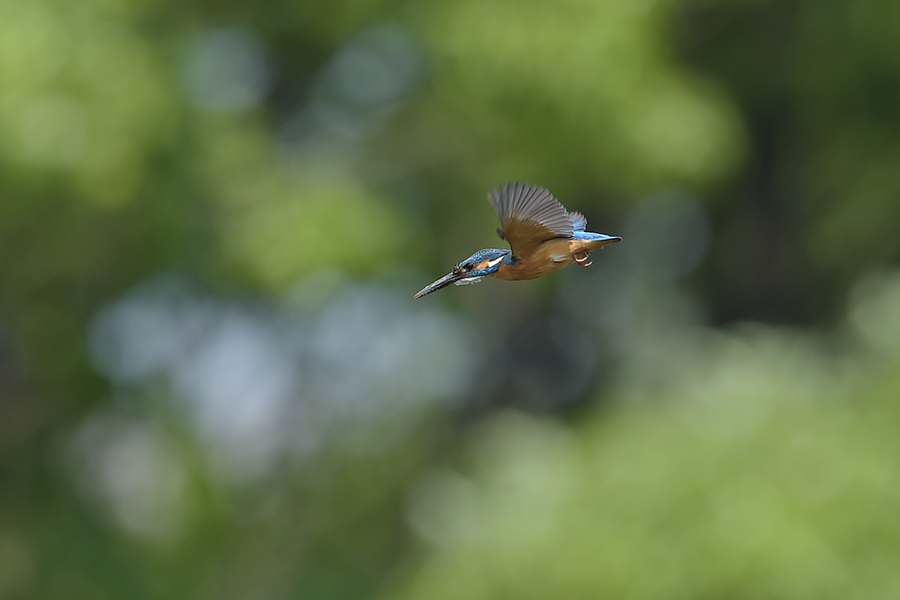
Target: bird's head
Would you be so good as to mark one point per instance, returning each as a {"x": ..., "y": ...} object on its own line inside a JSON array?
[{"x": 472, "y": 270}]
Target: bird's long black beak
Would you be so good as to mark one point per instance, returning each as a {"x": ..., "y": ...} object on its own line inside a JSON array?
[{"x": 443, "y": 282}]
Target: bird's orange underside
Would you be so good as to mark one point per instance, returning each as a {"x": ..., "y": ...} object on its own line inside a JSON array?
[{"x": 549, "y": 256}]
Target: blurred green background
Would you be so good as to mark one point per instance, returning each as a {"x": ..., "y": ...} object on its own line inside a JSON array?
[{"x": 215, "y": 384}]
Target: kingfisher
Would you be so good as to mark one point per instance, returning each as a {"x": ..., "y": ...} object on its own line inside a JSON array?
[{"x": 543, "y": 236}]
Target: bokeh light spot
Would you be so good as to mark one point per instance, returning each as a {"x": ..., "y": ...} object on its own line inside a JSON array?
[{"x": 226, "y": 70}]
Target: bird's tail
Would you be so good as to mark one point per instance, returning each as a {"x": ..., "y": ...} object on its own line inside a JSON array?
[{"x": 595, "y": 241}]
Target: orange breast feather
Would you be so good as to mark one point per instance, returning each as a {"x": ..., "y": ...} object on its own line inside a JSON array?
[{"x": 549, "y": 256}]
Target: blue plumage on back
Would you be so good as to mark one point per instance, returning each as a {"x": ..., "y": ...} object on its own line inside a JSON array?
[{"x": 590, "y": 236}]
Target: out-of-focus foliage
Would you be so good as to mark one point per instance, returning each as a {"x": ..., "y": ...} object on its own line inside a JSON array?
[
  {"x": 601, "y": 73},
  {"x": 214, "y": 382},
  {"x": 763, "y": 467},
  {"x": 819, "y": 83}
]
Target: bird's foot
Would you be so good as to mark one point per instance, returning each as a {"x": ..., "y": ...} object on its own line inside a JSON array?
[{"x": 582, "y": 259}]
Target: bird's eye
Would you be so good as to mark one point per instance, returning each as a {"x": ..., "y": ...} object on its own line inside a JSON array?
[{"x": 468, "y": 267}]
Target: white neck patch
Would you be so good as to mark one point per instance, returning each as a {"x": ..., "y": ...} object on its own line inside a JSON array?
[{"x": 468, "y": 281}]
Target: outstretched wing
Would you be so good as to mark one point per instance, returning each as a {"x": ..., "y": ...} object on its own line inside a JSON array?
[{"x": 529, "y": 215}]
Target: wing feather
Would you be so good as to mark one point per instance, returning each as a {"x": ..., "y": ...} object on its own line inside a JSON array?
[
  {"x": 530, "y": 215},
  {"x": 579, "y": 222}
]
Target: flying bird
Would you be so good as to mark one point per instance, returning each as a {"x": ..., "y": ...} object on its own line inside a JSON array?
[{"x": 543, "y": 236}]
